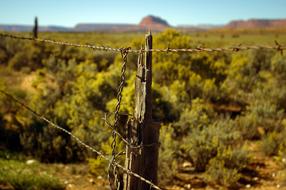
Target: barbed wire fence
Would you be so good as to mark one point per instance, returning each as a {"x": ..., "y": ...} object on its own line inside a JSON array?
[
  {"x": 113, "y": 164},
  {"x": 277, "y": 46}
]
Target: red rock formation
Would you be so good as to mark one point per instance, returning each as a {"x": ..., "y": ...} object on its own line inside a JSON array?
[
  {"x": 153, "y": 23},
  {"x": 257, "y": 24}
]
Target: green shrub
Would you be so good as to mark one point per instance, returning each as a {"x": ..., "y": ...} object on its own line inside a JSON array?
[
  {"x": 219, "y": 174},
  {"x": 97, "y": 166},
  {"x": 199, "y": 115},
  {"x": 247, "y": 124},
  {"x": 167, "y": 155},
  {"x": 261, "y": 117},
  {"x": 282, "y": 146},
  {"x": 270, "y": 144},
  {"x": 27, "y": 177},
  {"x": 202, "y": 144},
  {"x": 225, "y": 168},
  {"x": 199, "y": 148},
  {"x": 281, "y": 175}
]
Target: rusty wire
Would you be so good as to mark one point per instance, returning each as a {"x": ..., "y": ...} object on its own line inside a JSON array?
[
  {"x": 278, "y": 47},
  {"x": 115, "y": 182},
  {"x": 61, "y": 43},
  {"x": 78, "y": 140}
]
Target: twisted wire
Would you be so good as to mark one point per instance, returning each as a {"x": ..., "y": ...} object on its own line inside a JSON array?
[
  {"x": 278, "y": 47},
  {"x": 115, "y": 181}
]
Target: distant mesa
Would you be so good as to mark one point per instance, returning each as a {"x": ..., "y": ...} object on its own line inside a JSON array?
[
  {"x": 257, "y": 24},
  {"x": 28, "y": 28},
  {"x": 90, "y": 27},
  {"x": 149, "y": 22},
  {"x": 154, "y": 23}
]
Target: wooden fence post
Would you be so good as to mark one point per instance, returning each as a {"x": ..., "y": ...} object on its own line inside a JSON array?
[
  {"x": 35, "y": 29},
  {"x": 142, "y": 132}
]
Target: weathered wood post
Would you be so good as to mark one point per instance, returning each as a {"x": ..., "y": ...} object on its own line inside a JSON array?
[
  {"x": 143, "y": 134},
  {"x": 35, "y": 29}
]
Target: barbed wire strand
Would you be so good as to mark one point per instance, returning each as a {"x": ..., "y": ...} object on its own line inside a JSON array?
[
  {"x": 78, "y": 140},
  {"x": 240, "y": 47},
  {"x": 61, "y": 43}
]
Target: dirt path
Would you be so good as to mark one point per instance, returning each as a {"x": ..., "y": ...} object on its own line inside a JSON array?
[
  {"x": 76, "y": 177},
  {"x": 269, "y": 171},
  {"x": 268, "y": 175},
  {"x": 264, "y": 173}
]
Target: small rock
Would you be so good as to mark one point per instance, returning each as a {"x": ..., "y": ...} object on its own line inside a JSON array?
[
  {"x": 29, "y": 162},
  {"x": 261, "y": 131},
  {"x": 99, "y": 177},
  {"x": 70, "y": 185},
  {"x": 91, "y": 181},
  {"x": 248, "y": 186},
  {"x": 186, "y": 164},
  {"x": 255, "y": 179},
  {"x": 188, "y": 186}
]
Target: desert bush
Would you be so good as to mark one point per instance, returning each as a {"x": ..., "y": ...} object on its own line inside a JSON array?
[
  {"x": 10, "y": 119},
  {"x": 270, "y": 144},
  {"x": 225, "y": 169},
  {"x": 278, "y": 64},
  {"x": 274, "y": 143},
  {"x": 27, "y": 177},
  {"x": 282, "y": 146},
  {"x": 202, "y": 144},
  {"x": 281, "y": 175},
  {"x": 198, "y": 115},
  {"x": 167, "y": 155},
  {"x": 219, "y": 174},
  {"x": 247, "y": 124},
  {"x": 48, "y": 144},
  {"x": 261, "y": 116},
  {"x": 97, "y": 166}
]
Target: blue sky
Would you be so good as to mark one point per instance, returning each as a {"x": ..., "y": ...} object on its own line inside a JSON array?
[{"x": 176, "y": 12}]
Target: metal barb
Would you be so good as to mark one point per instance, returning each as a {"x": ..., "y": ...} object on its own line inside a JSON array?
[
  {"x": 237, "y": 48},
  {"x": 168, "y": 48},
  {"x": 279, "y": 47}
]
